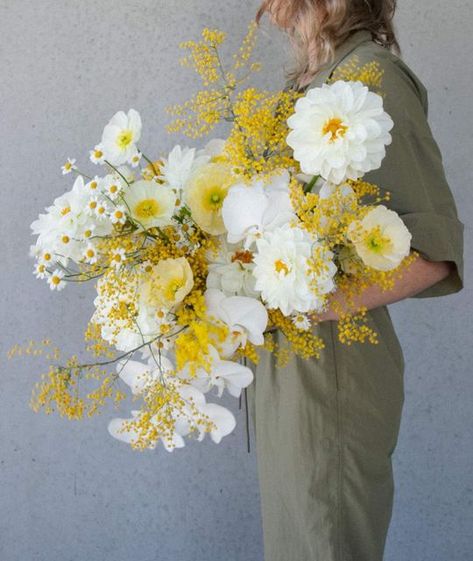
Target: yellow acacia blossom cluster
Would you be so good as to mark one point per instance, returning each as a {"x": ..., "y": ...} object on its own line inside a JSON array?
[
  {"x": 257, "y": 141},
  {"x": 370, "y": 73},
  {"x": 199, "y": 115}
]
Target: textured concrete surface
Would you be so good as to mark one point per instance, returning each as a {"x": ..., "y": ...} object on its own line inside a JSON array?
[{"x": 68, "y": 492}]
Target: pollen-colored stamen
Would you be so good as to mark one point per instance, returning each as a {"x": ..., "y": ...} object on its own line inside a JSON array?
[
  {"x": 280, "y": 266},
  {"x": 335, "y": 128}
]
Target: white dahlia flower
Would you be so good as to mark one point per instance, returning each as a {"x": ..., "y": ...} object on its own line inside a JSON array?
[
  {"x": 339, "y": 131},
  {"x": 283, "y": 274},
  {"x": 381, "y": 238}
]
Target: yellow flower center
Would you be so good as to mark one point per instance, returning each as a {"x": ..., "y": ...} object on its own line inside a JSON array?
[
  {"x": 118, "y": 214},
  {"x": 41, "y": 268},
  {"x": 214, "y": 197},
  {"x": 47, "y": 257},
  {"x": 281, "y": 267},
  {"x": 93, "y": 185},
  {"x": 124, "y": 139},
  {"x": 113, "y": 189},
  {"x": 376, "y": 242},
  {"x": 98, "y": 154},
  {"x": 55, "y": 280},
  {"x": 90, "y": 253},
  {"x": 87, "y": 233},
  {"x": 172, "y": 287},
  {"x": 65, "y": 239},
  {"x": 335, "y": 128},
  {"x": 65, "y": 210},
  {"x": 243, "y": 256},
  {"x": 147, "y": 208},
  {"x": 92, "y": 205}
]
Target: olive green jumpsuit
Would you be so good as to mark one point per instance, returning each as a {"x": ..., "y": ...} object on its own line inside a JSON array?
[{"x": 326, "y": 428}]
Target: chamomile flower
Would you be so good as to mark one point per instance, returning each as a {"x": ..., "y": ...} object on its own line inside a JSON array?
[
  {"x": 135, "y": 159},
  {"x": 120, "y": 137},
  {"x": 112, "y": 186},
  {"x": 92, "y": 205},
  {"x": 69, "y": 166},
  {"x": 96, "y": 155},
  {"x": 56, "y": 281},
  {"x": 101, "y": 210},
  {"x": 118, "y": 215},
  {"x": 90, "y": 254},
  {"x": 118, "y": 258},
  {"x": 301, "y": 321},
  {"x": 93, "y": 185},
  {"x": 40, "y": 271}
]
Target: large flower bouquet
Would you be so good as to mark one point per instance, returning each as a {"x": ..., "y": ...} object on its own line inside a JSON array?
[{"x": 199, "y": 255}]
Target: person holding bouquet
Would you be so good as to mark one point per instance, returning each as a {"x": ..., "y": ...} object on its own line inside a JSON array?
[{"x": 326, "y": 428}]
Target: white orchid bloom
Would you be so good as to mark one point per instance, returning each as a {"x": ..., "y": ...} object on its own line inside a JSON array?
[
  {"x": 245, "y": 317},
  {"x": 139, "y": 375},
  {"x": 249, "y": 211},
  {"x": 224, "y": 374}
]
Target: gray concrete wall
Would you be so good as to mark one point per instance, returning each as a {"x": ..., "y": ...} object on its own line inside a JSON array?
[{"x": 68, "y": 492}]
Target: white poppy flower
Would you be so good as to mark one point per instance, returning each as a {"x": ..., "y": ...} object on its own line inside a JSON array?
[
  {"x": 250, "y": 210},
  {"x": 120, "y": 137},
  {"x": 339, "y": 131},
  {"x": 150, "y": 204},
  {"x": 381, "y": 238}
]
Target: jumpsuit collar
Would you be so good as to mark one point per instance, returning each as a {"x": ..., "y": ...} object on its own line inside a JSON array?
[{"x": 341, "y": 52}]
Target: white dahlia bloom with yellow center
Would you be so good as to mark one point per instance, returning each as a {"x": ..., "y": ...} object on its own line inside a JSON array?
[
  {"x": 283, "y": 273},
  {"x": 149, "y": 203},
  {"x": 120, "y": 136},
  {"x": 204, "y": 194},
  {"x": 381, "y": 239},
  {"x": 339, "y": 131}
]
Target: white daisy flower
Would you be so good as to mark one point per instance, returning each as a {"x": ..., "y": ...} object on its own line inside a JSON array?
[
  {"x": 96, "y": 155},
  {"x": 339, "y": 131},
  {"x": 118, "y": 258},
  {"x": 301, "y": 321},
  {"x": 69, "y": 166},
  {"x": 135, "y": 159},
  {"x": 120, "y": 137},
  {"x": 101, "y": 210},
  {"x": 56, "y": 281},
  {"x": 90, "y": 254},
  {"x": 118, "y": 215},
  {"x": 40, "y": 271},
  {"x": 112, "y": 186},
  {"x": 94, "y": 184}
]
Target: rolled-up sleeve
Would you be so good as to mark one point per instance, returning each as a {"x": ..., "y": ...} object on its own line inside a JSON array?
[{"x": 413, "y": 173}]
